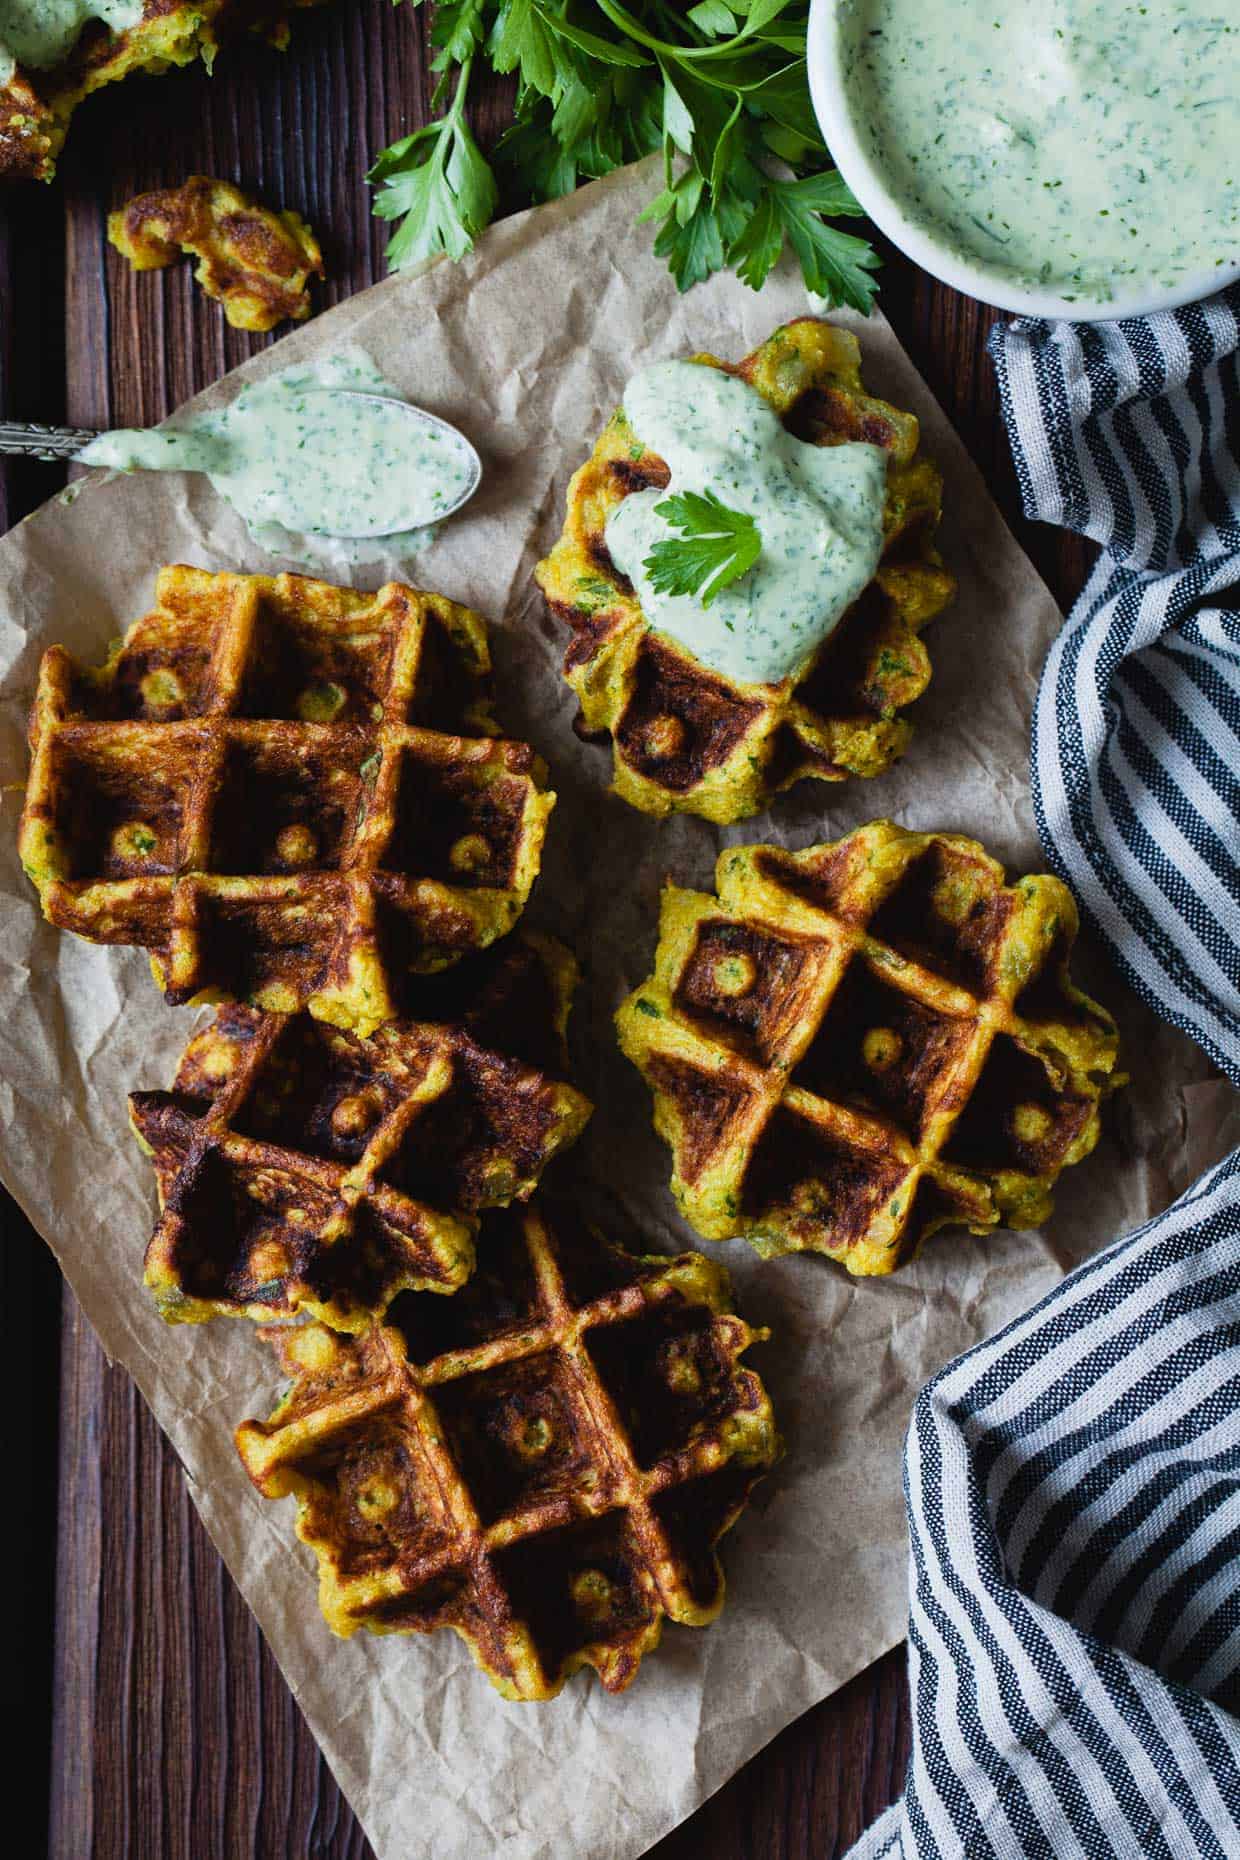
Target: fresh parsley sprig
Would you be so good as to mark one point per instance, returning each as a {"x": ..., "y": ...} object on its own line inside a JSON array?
[
  {"x": 436, "y": 182},
  {"x": 720, "y": 89},
  {"x": 716, "y": 546}
]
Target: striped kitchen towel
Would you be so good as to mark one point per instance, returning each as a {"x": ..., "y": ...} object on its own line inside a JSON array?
[{"x": 1073, "y": 1484}]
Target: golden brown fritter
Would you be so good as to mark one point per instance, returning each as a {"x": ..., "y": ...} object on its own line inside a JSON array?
[
  {"x": 543, "y": 1462},
  {"x": 290, "y": 793},
  {"x": 258, "y": 263},
  {"x": 304, "y": 1169},
  {"x": 853, "y": 1046},
  {"x": 684, "y": 738}
]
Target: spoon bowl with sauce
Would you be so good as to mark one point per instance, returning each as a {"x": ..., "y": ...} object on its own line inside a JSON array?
[
  {"x": 1068, "y": 160},
  {"x": 330, "y": 451}
]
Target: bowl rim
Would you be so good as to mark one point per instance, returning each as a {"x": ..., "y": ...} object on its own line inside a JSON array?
[{"x": 974, "y": 280}]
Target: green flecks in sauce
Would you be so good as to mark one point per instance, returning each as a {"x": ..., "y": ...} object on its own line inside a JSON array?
[
  {"x": 39, "y": 33},
  {"x": 296, "y": 457},
  {"x": 1074, "y": 146},
  {"x": 819, "y": 511}
]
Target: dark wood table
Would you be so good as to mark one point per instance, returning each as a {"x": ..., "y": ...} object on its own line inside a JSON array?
[{"x": 153, "y": 1721}]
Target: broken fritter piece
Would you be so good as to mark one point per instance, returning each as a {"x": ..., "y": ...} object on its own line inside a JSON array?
[{"x": 257, "y": 262}]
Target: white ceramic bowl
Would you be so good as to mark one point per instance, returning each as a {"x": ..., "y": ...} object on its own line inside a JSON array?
[{"x": 826, "y": 83}]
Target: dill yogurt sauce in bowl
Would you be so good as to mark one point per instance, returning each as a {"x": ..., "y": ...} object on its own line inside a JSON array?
[{"x": 1056, "y": 157}]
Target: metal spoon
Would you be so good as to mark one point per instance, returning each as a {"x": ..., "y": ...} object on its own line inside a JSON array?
[
  {"x": 21, "y": 439},
  {"x": 24, "y": 439}
]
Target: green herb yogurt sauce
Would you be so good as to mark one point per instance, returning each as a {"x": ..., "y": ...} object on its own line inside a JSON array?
[
  {"x": 1073, "y": 146},
  {"x": 39, "y": 33},
  {"x": 819, "y": 510},
  {"x": 297, "y": 458}
]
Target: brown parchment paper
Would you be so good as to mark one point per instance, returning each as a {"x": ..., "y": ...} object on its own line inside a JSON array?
[{"x": 527, "y": 346}]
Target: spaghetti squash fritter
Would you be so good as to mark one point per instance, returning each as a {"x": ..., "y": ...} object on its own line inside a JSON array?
[
  {"x": 853, "y": 1046},
  {"x": 289, "y": 793},
  {"x": 304, "y": 1170},
  {"x": 688, "y": 739},
  {"x": 544, "y": 1462}
]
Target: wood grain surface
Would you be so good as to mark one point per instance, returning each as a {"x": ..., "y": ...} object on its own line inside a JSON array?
[{"x": 154, "y": 1723}]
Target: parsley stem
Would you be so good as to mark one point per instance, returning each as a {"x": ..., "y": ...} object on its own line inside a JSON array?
[
  {"x": 633, "y": 29},
  {"x": 457, "y": 108}
]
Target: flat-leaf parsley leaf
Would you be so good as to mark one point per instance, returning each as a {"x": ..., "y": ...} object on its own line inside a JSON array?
[{"x": 716, "y": 547}]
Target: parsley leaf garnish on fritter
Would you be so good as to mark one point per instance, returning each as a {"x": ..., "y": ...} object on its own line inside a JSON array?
[{"x": 715, "y": 548}]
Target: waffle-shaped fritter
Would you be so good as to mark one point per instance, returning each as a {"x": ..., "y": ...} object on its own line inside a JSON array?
[
  {"x": 290, "y": 793},
  {"x": 544, "y": 1462},
  {"x": 303, "y": 1168},
  {"x": 685, "y": 739},
  {"x": 853, "y": 1046},
  {"x": 255, "y": 261},
  {"x": 36, "y": 106}
]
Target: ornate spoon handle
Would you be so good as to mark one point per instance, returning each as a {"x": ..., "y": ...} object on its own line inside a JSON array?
[{"x": 42, "y": 442}]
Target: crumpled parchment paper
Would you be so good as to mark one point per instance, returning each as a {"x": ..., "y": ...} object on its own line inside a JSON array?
[{"x": 527, "y": 346}]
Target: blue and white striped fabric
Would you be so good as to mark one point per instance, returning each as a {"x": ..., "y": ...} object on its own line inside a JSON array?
[
  {"x": 1073, "y": 1485},
  {"x": 1130, "y": 433}
]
